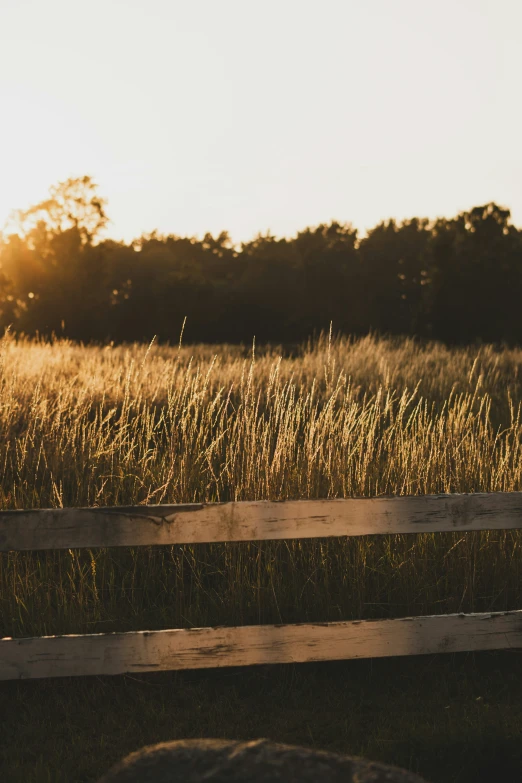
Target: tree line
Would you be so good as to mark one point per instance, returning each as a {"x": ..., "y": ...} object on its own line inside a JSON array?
[{"x": 454, "y": 279}]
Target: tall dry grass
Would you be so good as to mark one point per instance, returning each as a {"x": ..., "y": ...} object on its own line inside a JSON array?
[{"x": 336, "y": 418}]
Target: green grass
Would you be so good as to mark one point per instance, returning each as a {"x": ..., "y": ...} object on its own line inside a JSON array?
[{"x": 339, "y": 418}]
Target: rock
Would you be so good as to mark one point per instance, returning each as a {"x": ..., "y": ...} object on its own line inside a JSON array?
[{"x": 259, "y": 761}]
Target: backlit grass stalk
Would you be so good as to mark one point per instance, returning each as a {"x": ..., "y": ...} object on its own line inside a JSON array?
[{"x": 83, "y": 426}]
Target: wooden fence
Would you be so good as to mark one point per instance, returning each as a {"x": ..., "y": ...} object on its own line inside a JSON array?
[{"x": 118, "y": 653}]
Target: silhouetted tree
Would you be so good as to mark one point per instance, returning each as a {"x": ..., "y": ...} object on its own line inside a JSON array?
[
  {"x": 393, "y": 258},
  {"x": 57, "y": 270},
  {"x": 457, "y": 280},
  {"x": 475, "y": 277}
]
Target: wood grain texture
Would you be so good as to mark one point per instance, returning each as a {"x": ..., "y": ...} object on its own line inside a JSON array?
[
  {"x": 69, "y": 528},
  {"x": 197, "y": 648}
]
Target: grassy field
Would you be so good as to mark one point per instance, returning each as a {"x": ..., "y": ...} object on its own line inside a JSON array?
[{"x": 336, "y": 418}]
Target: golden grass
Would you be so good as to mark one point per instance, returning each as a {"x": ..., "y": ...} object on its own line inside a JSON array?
[{"x": 136, "y": 424}]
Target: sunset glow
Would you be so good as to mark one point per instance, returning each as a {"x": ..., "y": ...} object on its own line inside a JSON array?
[{"x": 205, "y": 116}]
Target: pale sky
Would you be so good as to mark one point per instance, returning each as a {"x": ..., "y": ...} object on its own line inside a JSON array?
[{"x": 248, "y": 116}]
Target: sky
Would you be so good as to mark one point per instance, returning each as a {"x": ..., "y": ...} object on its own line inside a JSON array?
[{"x": 249, "y": 116}]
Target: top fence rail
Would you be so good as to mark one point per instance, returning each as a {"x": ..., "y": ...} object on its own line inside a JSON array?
[{"x": 68, "y": 528}]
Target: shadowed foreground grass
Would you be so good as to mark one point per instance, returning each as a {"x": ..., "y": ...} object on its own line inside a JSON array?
[
  {"x": 127, "y": 425},
  {"x": 452, "y": 719}
]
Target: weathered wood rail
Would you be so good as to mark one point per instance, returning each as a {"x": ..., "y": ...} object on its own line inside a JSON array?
[
  {"x": 117, "y": 653},
  {"x": 198, "y": 648},
  {"x": 200, "y": 523}
]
